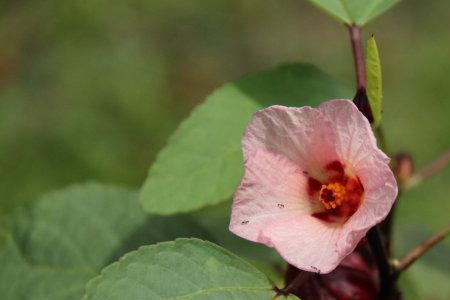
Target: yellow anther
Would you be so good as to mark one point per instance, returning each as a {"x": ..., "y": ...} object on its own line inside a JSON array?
[{"x": 332, "y": 195}]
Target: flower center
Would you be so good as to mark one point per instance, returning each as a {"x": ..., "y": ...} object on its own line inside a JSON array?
[{"x": 332, "y": 195}]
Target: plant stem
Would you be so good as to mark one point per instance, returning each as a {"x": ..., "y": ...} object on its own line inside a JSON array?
[
  {"x": 295, "y": 284},
  {"x": 377, "y": 245},
  {"x": 357, "y": 56},
  {"x": 428, "y": 170},
  {"x": 360, "y": 100},
  {"x": 387, "y": 285},
  {"x": 420, "y": 250}
]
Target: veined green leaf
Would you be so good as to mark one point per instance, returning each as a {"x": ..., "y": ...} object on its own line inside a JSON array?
[
  {"x": 183, "y": 269},
  {"x": 202, "y": 162},
  {"x": 358, "y": 12}
]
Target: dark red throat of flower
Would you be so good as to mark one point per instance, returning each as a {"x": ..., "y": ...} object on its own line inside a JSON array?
[{"x": 340, "y": 195}]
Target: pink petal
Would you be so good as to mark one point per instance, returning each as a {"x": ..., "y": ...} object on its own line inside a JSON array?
[
  {"x": 307, "y": 243},
  {"x": 356, "y": 147},
  {"x": 355, "y": 141},
  {"x": 281, "y": 143},
  {"x": 377, "y": 202},
  {"x": 302, "y": 135},
  {"x": 273, "y": 189}
]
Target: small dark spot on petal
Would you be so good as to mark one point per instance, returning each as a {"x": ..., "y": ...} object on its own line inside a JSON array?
[
  {"x": 280, "y": 205},
  {"x": 305, "y": 172},
  {"x": 244, "y": 222}
]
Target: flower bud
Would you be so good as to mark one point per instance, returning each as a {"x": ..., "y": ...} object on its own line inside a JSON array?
[{"x": 403, "y": 167}]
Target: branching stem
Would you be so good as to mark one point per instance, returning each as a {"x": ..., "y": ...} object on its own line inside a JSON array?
[
  {"x": 420, "y": 250},
  {"x": 428, "y": 170}
]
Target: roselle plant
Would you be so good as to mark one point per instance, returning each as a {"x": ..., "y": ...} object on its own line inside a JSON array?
[{"x": 279, "y": 186}]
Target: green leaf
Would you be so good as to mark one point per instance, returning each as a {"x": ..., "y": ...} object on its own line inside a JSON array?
[
  {"x": 216, "y": 219},
  {"x": 51, "y": 250},
  {"x": 202, "y": 163},
  {"x": 21, "y": 279},
  {"x": 183, "y": 269},
  {"x": 374, "y": 81},
  {"x": 358, "y": 12}
]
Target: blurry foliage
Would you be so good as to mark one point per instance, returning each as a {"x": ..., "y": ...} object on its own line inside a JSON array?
[
  {"x": 63, "y": 239},
  {"x": 92, "y": 89}
]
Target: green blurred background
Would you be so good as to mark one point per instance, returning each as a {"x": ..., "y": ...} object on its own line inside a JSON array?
[{"x": 90, "y": 90}]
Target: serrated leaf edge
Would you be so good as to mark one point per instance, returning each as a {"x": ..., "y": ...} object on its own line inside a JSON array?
[{"x": 126, "y": 256}]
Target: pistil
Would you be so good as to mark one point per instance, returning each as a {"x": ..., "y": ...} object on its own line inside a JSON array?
[{"x": 332, "y": 195}]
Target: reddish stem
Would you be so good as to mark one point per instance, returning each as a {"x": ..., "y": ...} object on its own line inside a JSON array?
[
  {"x": 420, "y": 250},
  {"x": 295, "y": 284},
  {"x": 387, "y": 284},
  {"x": 358, "y": 56},
  {"x": 435, "y": 166},
  {"x": 428, "y": 170},
  {"x": 361, "y": 100}
]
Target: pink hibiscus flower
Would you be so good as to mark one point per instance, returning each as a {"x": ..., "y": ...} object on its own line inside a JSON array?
[{"x": 314, "y": 183}]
